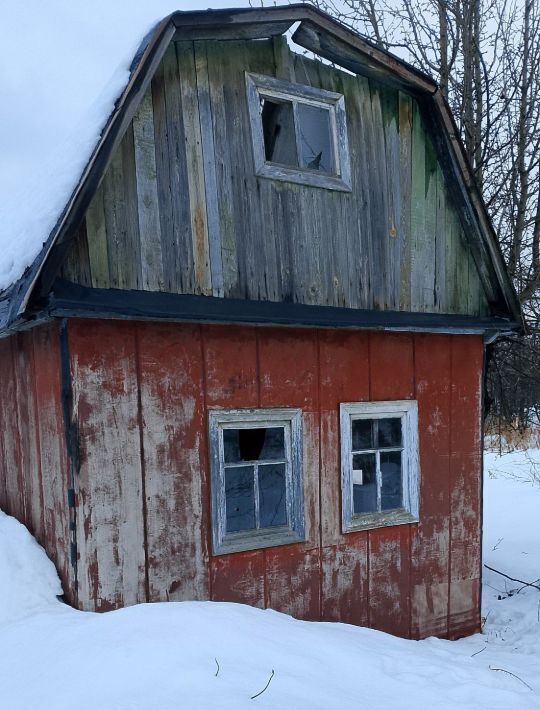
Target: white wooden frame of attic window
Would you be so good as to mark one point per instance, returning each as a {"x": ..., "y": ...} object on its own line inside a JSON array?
[
  {"x": 408, "y": 511},
  {"x": 292, "y": 528},
  {"x": 264, "y": 87}
]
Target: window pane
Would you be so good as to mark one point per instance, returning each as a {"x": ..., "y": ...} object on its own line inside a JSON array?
[
  {"x": 362, "y": 434},
  {"x": 315, "y": 142},
  {"x": 239, "y": 498},
  {"x": 278, "y": 131},
  {"x": 392, "y": 488},
  {"x": 272, "y": 495},
  {"x": 253, "y": 444},
  {"x": 364, "y": 483},
  {"x": 274, "y": 444},
  {"x": 389, "y": 432}
]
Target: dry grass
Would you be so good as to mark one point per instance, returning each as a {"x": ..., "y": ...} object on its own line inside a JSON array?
[{"x": 505, "y": 437}]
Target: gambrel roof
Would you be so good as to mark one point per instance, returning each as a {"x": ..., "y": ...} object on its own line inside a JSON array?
[{"x": 319, "y": 33}]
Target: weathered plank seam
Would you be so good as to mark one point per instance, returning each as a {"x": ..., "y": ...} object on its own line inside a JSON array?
[
  {"x": 39, "y": 471},
  {"x": 143, "y": 464},
  {"x": 207, "y": 497},
  {"x": 72, "y": 448},
  {"x": 319, "y": 419},
  {"x": 19, "y": 473}
]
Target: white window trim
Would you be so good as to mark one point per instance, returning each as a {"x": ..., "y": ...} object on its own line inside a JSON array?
[
  {"x": 408, "y": 411},
  {"x": 291, "y": 420},
  {"x": 257, "y": 86}
]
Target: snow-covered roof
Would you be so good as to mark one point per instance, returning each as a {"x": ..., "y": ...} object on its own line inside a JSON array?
[
  {"x": 67, "y": 111},
  {"x": 60, "y": 79}
]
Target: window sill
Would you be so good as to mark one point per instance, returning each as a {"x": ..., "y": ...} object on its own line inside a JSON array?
[
  {"x": 273, "y": 171},
  {"x": 257, "y": 540},
  {"x": 370, "y": 521}
]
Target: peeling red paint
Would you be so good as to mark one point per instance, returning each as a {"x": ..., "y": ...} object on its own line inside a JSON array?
[{"x": 142, "y": 392}]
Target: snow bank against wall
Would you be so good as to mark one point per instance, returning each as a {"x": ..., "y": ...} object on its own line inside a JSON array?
[
  {"x": 29, "y": 583},
  {"x": 210, "y": 656}
]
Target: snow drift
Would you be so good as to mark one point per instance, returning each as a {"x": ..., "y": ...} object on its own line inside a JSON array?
[{"x": 198, "y": 655}]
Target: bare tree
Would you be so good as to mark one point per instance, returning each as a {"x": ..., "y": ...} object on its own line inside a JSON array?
[{"x": 485, "y": 55}]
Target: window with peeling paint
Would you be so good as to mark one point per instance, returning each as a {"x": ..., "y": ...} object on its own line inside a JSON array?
[
  {"x": 299, "y": 133},
  {"x": 380, "y": 469},
  {"x": 256, "y": 475}
]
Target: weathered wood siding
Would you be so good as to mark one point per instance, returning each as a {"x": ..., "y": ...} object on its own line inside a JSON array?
[
  {"x": 180, "y": 208},
  {"x": 142, "y": 393},
  {"x": 34, "y": 469}
]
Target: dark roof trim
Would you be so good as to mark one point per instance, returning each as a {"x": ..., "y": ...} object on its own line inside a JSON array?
[
  {"x": 71, "y": 300},
  {"x": 317, "y": 31}
]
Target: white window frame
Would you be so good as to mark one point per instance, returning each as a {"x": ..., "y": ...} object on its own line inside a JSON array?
[
  {"x": 291, "y": 421},
  {"x": 259, "y": 86},
  {"x": 407, "y": 410}
]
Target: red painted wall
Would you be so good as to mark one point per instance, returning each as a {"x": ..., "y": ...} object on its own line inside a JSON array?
[
  {"x": 33, "y": 460},
  {"x": 141, "y": 397}
]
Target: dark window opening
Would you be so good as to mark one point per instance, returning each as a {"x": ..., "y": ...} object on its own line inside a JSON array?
[
  {"x": 255, "y": 494},
  {"x": 297, "y": 134}
]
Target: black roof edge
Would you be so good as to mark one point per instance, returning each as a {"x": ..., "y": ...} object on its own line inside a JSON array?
[
  {"x": 69, "y": 300},
  {"x": 147, "y": 58}
]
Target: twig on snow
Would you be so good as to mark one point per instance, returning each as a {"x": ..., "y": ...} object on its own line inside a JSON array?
[
  {"x": 265, "y": 687},
  {"x": 513, "y": 579},
  {"x": 217, "y": 664},
  {"x": 477, "y": 652},
  {"x": 503, "y": 670}
]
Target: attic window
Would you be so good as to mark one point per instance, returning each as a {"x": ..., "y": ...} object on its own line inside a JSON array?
[
  {"x": 256, "y": 472},
  {"x": 299, "y": 133}
]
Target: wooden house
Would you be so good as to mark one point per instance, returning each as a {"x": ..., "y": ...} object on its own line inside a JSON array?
[{"x": 247, "y": 364}]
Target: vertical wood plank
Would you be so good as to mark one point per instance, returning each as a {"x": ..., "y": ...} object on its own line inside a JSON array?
[
  {"x": 114, "y": 209},
  {"x": 174, "y": 442},
  {"x": 195, "y": 167},
  {"x": 172, "y": 178},
  {"x": 430, "y": 538},
  {"x": 27, "y": 417},
  {"x": 222, "y": 140},
  {"x": 405, "y": 176},
  {"x": 110, "y": 533},
  {"x": 465, "y": 485},
  {"x": 11, "y": 444},
  {"x": 147, "y": 196},
  {"x": 210, "y": 173},
  {"x": 97, "y": 241},
  {"x": 393, "y": 238},
  {"x": 440, "y": 243},
  {"x": 419, "y": 234},
  {"x": 54, "y": 465},
  {"x": 130, "y": 251}
]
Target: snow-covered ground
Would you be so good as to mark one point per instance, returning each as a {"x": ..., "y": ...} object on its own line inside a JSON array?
[{"x": 190, "y": 656}]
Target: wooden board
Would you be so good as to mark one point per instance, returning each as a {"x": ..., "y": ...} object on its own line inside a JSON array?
[
  {"x": 173, "y": 451},
  {"x": 110, "y": 521}
]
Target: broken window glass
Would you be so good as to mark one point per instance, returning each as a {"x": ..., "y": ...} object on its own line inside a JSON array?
[{"x": 297, "y": 134}]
